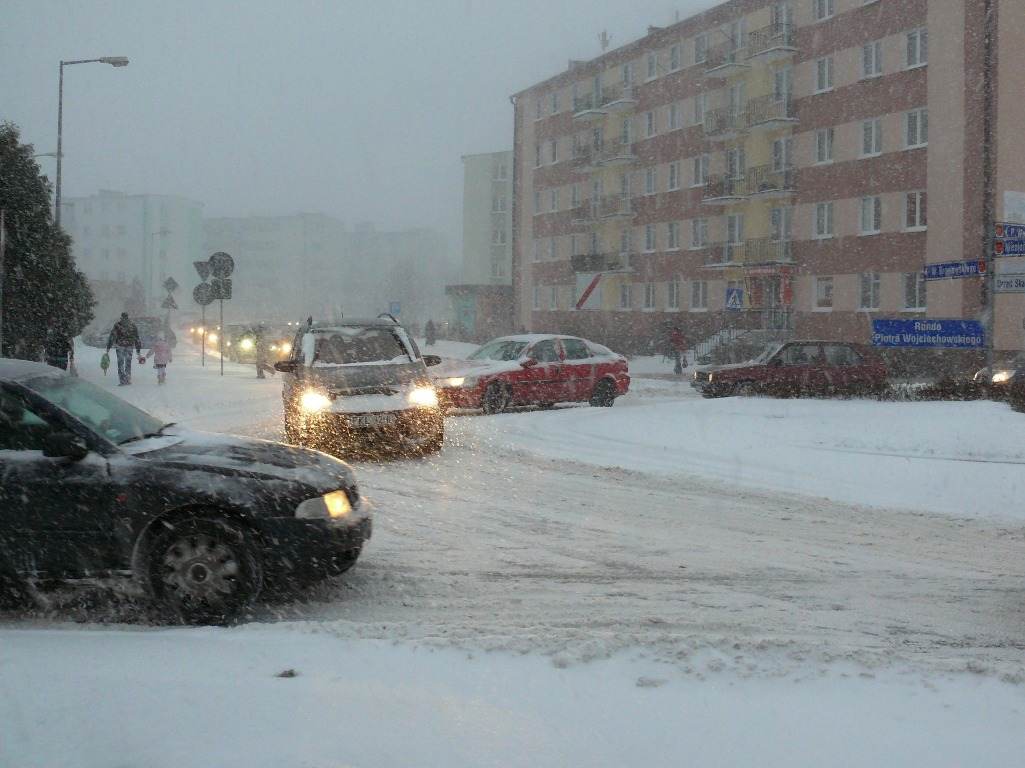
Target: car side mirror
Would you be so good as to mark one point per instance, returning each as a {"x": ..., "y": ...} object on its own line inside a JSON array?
[
  {"x": 430, "y": 360},
  {"x": 64, "y": 445},
  {"x": 528, "y": 363},
  {"x": 285, "y": 366}
]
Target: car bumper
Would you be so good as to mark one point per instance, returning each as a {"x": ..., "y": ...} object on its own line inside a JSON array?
[
  {"x": 404, "y": 429},
  {"x": 312, "y": 549}
]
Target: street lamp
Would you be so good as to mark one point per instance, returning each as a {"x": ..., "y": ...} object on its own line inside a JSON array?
[{"x": 114, "y": 61}]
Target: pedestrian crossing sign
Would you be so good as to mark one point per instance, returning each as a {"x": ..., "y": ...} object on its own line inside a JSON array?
[{"x": 735, "y": 299}]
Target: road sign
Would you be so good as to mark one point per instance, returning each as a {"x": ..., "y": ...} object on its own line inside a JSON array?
[
  {"x": 1009, "y": 283},
  {"x": 735, "y": 299},
  {"x": 220, "y": 288},
  {"x": 170, "y": 285},
  {"x": 202, "y": 294},
  {"x": 221, "y": 265},
  {"x": 1004, "y": 231},
  {"x": 394, "y": 308},
  {"x": 948, "y": 334},
  {"x": 169, "y": 303},
  {"x": 202, "y": 269},
  {"x": 949, "y": 269},
  {"x": 1009, "y": 248}
]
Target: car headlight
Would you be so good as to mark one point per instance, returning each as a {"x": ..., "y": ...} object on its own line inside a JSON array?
[
  {"x": 424, "y": 397},
  {"x": 332, "y": 506},
  {"x": 246, "y": 344},
  {"x": 286, "y": 347},
  {"x": 313, "y": 401},
  {"x": 1002, "y": 377},
  {"x": 455, "y": 381},
  {"x": 212, "y": 338}
]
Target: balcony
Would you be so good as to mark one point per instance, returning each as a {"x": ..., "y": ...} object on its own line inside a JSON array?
[
  {"x": 726, "y": 60},
  {"x": 725, "y": 254},
  {"x": 619, "y": 98},
  {"x": 592, "y": 107},
  {"x": 768, "y": 113},
  {"x": 725, "y": 123},
  {"x": 768, "y": 251},
  {"x": 585, "y": 214},
  {"x": 767, "y": 181},
  {"x": 724, "y": 188},
  {"x": 771, "y": 43},
  {"x": 601, "y": 262},
  {"x": 615, "y": 207}
]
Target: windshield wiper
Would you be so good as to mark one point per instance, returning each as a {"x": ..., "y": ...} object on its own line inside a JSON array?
[{"x": 158, "y": 433}]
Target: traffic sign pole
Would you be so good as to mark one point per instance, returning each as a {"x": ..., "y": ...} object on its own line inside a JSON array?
[
  {"x": 202, "y": 337},
  {"x": 220, "y": 337}
]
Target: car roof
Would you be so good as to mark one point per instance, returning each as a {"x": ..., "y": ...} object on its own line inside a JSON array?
[
  {"x": 356, "y": 322},
  {"x": 532, "y": 337},
  {"x": 15, "y": 370}
]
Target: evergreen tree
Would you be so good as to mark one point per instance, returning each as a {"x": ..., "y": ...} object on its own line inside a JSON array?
[{"x": 42, "y": 289}]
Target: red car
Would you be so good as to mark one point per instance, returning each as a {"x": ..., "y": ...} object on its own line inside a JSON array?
[
  {"x": 798, "y": 368},
  {"x": 534, "y": 369}
]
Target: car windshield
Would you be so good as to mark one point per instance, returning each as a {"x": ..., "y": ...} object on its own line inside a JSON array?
[
  {"x": 766, "y": 354},
  {"x": 499, "y": 350},
  {"x": 110, "y": 416},
  {"x": 356, "y": 346}
]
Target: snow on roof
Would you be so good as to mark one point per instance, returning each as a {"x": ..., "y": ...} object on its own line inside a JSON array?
[{"x": 22, "y": 369}]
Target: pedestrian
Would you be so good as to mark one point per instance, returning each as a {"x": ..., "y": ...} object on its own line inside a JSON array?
[
  {"x": 105, "y": 362},
  {"x": 59, "y": 349},
  {"x": 679, "y": 345},
  {"x": 161, "y": 354},
  {"x": 260, "y": 341},
  {"x": 430, "y": 335},
  {"x": 123, "y": 337}
]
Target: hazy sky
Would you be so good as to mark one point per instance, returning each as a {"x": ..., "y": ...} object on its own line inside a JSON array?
[{"x": 360, "y": 110}]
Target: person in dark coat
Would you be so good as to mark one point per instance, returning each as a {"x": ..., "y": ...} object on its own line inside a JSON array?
[
  {"x": 679, "y": 345},
  {"x": 124, "y": 336},
  {"x": 59, "y": 349},
  {"x": 430, "y": 334}
]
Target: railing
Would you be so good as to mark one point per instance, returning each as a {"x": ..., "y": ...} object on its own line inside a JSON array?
[
  {"x": 616, "y": 149},
  {"x": 773, "y": 37},
  {"x": 724, "y": 186},
  {"x": 725, "y": 120},
  {"x": 606, "y": 96},
  {"x": 600, "y": 262},
  {"x": 585, "y": 213},
  {"x": 725, "y": 55},
  {"x": 767, "y": 109},
  {"x": 615, "y": 205},
  {"x": 763, "y": 179},
  {"x": 582, "y": 153},
  {"x": 768, "y": 251},
  {"x": 724, "y": 254}
]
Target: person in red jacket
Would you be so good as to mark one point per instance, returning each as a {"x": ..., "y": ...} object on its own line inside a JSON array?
[{"x": 679, "y": 345}]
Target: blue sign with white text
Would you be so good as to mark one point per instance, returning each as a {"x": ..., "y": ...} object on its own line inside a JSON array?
[
  {"x": 735, "y": 299},
  {"x": 947, "y": 334},
  {"x": 1009, "y": 248},
  {"x": 1009, "y": 231},
  {"x": 954, "y": 269}
]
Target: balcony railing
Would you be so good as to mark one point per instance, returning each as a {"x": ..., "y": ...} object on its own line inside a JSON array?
[
  {"x": 770, "y": 111},
  {"x": 600, "y": 262},
  {"x": 725, "y": 254},
  {"x": 725, "y": 58},
  {"x": 725, "y": 121},
  {"x": 769, "y": 251},
  {"x": 767, "y": 180},
  {"x": 585, "y": 213},
  {"x": 610, "y": 97},
  {"x": 612, "y": 206},
  {"x": 776, "y": 38},
  {"x": 724, "y": 187}
]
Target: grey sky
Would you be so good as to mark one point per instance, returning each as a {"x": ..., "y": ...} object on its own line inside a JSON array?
[{"x": 360, "y": 110}]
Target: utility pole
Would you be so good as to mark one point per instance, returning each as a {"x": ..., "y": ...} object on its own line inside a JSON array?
[
  {"x": 989, "y": 304},
  {"x": 3, "y": 253}
]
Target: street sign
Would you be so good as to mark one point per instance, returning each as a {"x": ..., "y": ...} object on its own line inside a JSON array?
[
  {"x": 394, "y": 308},
  {"x": 1009, "y": 248},
  {"x": 169, "y": 303},
  {"x": 221, "y": 265},
  {"x": 202, "y": 294},
  {"x": 949, "y": 269},
  {"x": 170, "y": 285},
  {"x": 948, "y": 334},
  {"x": 220, "y": 288},
  {"x": 735, "y": 299},
  {"x": 202, "y": 269},
  {"x": 1005, "y": 231},
  {"x": 1009, "y": 283}
]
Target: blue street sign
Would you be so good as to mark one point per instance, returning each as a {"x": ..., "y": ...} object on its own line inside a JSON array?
[
  {"x": 1003, "y": 230},
  {"x": 949, "y": 334},
  {"x": 395, "y": 308},
  {"x": 954, "y": 269},
  {"x": 1009, "y": 248},
  {"x": 735, "y": 299}
]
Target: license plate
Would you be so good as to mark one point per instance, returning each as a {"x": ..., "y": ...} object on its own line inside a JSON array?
[{"x": 372, "y": 420}]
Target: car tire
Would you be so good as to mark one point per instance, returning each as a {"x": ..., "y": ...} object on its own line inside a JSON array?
[
  {"x": 495, "y": 399},
  {"x": 604, "y": 395},
  {"x": 745, "y": 389},
  {"x": 203, "y": 570}
]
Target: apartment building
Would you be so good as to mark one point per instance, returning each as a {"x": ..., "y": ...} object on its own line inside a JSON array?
[
  {"x": 481, "y": 300},
  {"x": 784, "y": 166}
]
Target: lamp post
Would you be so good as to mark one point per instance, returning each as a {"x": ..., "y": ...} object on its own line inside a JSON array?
[{"x": 114, "y": 61}]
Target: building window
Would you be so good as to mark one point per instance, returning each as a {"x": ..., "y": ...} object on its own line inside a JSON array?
[
  {"x": 624, "y": 295},
  {"x": 498, "y": 203},
  {"x": 674, "y": 57},
  {"x": 553, "y": 200},
  {"x": 553, "y": 248},
  {"x": 673, "y": 117},
  {"x": 649, "y": 181},
  {"x": 537, "y": 297},
  {"x": 649, "y": 237},
  {"x": 823, "y": 293},
  {"x": 574, "y": 196},
  {"x": 872, "y": 137},
  {"x": 824, "y": 145},
  {"x": 824, "y": 74},
  {"x": 870, "y": 282},
  {"x": 781, "y": 224},
  {"x": 918, "y": 48},
  {"x": 914, "y": 291},
  {"x": 701, "y": 170},
  {"x": 823, "y": 220},
  {"x": 553, "y": 151},
  {"x": 699, "y": 233},
  {"x": 537, "y": 110},
  {"x": 871, "y": 215},
  {"x": 649, "y": 124},
  {"x": 537, "y": 156},
  {"x": 673, "y": 236},
  {"x": 915, "y": 217},
  {"x": 700, "y": 49},
  {"x": 625, "y": 242},
  {"x": 674, "y": 175},
  {"x": 699, "y": 295},
  {"x": 871, "y": 60},
  {"x": 537, "y": 250},
  {"x": 700, "y": 104},
  {"x": 628, "y": 74},
  {"x": 537, "y": 201},
  {"x": 649, "y": 295},
  {"x": 553, "y": 297},
  {"x": 501, "y": 172},
  {"x": 498, "y": 237},
  {"x": 916, "y": 128},
  {"x": 555, "y": 102},
  {"x": 652, "y": 65},
  {"x": 822, "y": 9},
  {"x": 673, "y": 294}
]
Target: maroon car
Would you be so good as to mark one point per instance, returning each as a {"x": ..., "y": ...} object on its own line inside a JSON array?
[{"x": 798, "y": 368}]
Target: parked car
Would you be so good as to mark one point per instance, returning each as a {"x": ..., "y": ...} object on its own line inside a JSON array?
[
  {"x": 1016, "y": 390},
  {"x": 997, "y": 383},
  {"x": 798, "y": 368},
  {"x": 360, "y": 385},
  {"x": 535, "y": 369},
  {"x": 201, "y": 524}
]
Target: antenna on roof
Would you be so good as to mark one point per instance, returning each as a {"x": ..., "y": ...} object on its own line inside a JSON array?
[{"x": 604, "y": 40}]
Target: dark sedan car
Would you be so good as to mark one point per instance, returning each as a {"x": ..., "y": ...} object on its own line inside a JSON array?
[
  {"x": 93, "y": 488},
  {"x": 798, "y": 368}
]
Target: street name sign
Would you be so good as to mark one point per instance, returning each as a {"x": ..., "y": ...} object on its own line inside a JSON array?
[
  {"x": 1003, "y": 230},
  {"x": 949, "y": 269},
  {"x": 928, "y": 333},
  {"x": 1009, "y": 248},
  {"x": 1009, "y": 283}
]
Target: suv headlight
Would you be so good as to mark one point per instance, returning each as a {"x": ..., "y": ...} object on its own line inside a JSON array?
[
  {"x": 1002, "y": 377},
  {"x": 313, "y": 401},
  {"x": 424, "y": 397},
  {"x": 330, "y": 506}
]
